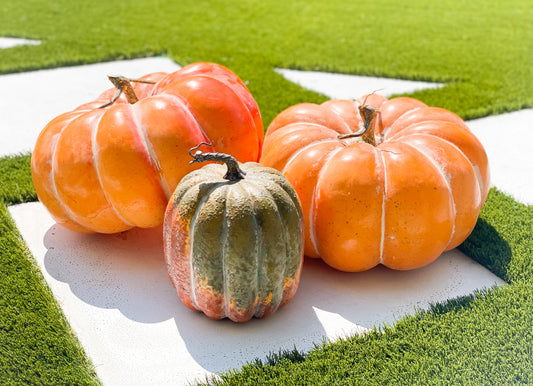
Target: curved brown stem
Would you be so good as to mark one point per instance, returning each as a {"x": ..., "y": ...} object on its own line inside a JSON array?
[
  {"x": 123, "y": 85},
  {"x": 234, "y": 173},
  {"x": 367, "y": 127}
]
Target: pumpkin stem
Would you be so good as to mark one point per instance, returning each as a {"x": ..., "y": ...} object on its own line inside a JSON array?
[
  {"x": 234, "y": 173},
  {"x": 123, "y": 85},
  {"x": 367, "y": 126}
]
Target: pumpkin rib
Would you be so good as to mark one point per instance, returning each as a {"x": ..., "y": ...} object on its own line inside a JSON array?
[
  {"x": 183, "y": 225},
  {"x": 460, "y": 171},
  {"x": 414, "y": 126},
  {"x": 407, "y": 244},
  {"x": 242, "y": 95},
  {"x": 306, "y": 148},
  {"x": 439, "y": 168},
  {"x": 296, "y": 158},
  {"x": 296, "y": 127},
  {"x": 67, "y": 213},
  {"x": 268, "y": 186},
  {"x": 76, "y": 179},
  {"x": 187, "y": 107},
  {"x": 224, "y": 250},
  {"x": 309, "y": 113},
  {"x": 149, "y": 150},
  {"x": 168, "y": 90},
  {"x": 192, "y": 224},
  {"x": 312, "y": 214},
  {"x": 341, "y": 118},
  {"x": 96, "y": 152},
  {"x": 258, "y": 232},
  {"x": 268, "y": 301}
]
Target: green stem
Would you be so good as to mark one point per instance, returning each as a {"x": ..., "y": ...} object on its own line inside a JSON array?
[{"x": 234, "y": 173}]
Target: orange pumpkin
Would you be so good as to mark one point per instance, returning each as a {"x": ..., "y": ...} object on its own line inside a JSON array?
[
  {"x": 380, "y": 181},
  {"x": 108, "y": 167}
]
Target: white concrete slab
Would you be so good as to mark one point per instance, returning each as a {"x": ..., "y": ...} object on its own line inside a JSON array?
[
  {"x": 344, "y": 86},
  {"x": 507, "y": 139},
  {"x": 9, "y": 42},
  {"x": 115, "y": 292},
  {"x": 29, "y": 100}
]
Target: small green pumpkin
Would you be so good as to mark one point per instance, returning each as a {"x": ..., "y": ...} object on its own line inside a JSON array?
[{"x": 234, "y": 239}]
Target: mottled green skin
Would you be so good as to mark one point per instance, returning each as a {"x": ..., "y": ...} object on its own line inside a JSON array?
[{"x": 242, "y": 239}]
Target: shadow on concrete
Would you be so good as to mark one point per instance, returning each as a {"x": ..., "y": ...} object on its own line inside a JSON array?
[
  {"x": 124, "y": 271},
  {"x": 127, "y": 272}
]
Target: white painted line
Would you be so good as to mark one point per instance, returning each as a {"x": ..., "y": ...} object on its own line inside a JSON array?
[
  {"x": 115, "y": 292},
  {"x": 34, "y": 98},
  {"x": 344, "y": 86},
  {"x": 6, "y": 42}
]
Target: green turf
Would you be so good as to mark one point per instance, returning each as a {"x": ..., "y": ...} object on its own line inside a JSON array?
[{"x": 481, "y": 50}]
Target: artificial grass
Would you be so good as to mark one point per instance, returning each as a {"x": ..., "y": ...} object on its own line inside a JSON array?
[
  {"x": 481, "y": 50},
  {"x": 16, "y": 185}
]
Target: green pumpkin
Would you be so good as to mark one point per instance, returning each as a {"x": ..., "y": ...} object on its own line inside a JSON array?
[{"x": 234, "y": 239}]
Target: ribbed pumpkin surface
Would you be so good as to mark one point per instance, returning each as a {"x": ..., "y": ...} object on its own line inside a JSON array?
[
  {"x": 112, "y": 168},
  {"x": 234, "y": 248},
  {"x": 402, "y": 201}
]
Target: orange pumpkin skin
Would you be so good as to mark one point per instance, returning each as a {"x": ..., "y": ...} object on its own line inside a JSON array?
[
  {"x": 113, "y": 168},
  {"x": 401, "y": 203}
]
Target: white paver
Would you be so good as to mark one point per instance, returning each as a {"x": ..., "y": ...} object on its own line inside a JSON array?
[
  {"x": 344, "y": 86},
  {"x": 115, "y": 292},
  {"x": 506, "y": 139}
]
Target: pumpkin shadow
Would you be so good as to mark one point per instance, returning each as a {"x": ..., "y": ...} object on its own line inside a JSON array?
[
  {"x": 124, "y": 271},
  {"x": 127, "y": 272},
  {"x": 487, "y": 247},
  {"x": 329, "y": 305}
]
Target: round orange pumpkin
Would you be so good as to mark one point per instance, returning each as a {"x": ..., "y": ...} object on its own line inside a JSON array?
[
  {"x": 108, "y": 167},
  {"x": 380, "y": 181}
]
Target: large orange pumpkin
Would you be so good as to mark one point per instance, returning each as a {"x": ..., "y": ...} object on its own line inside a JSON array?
[
  {"x": 108, "y": 167},
  {"x": 380, "y": 181}
]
